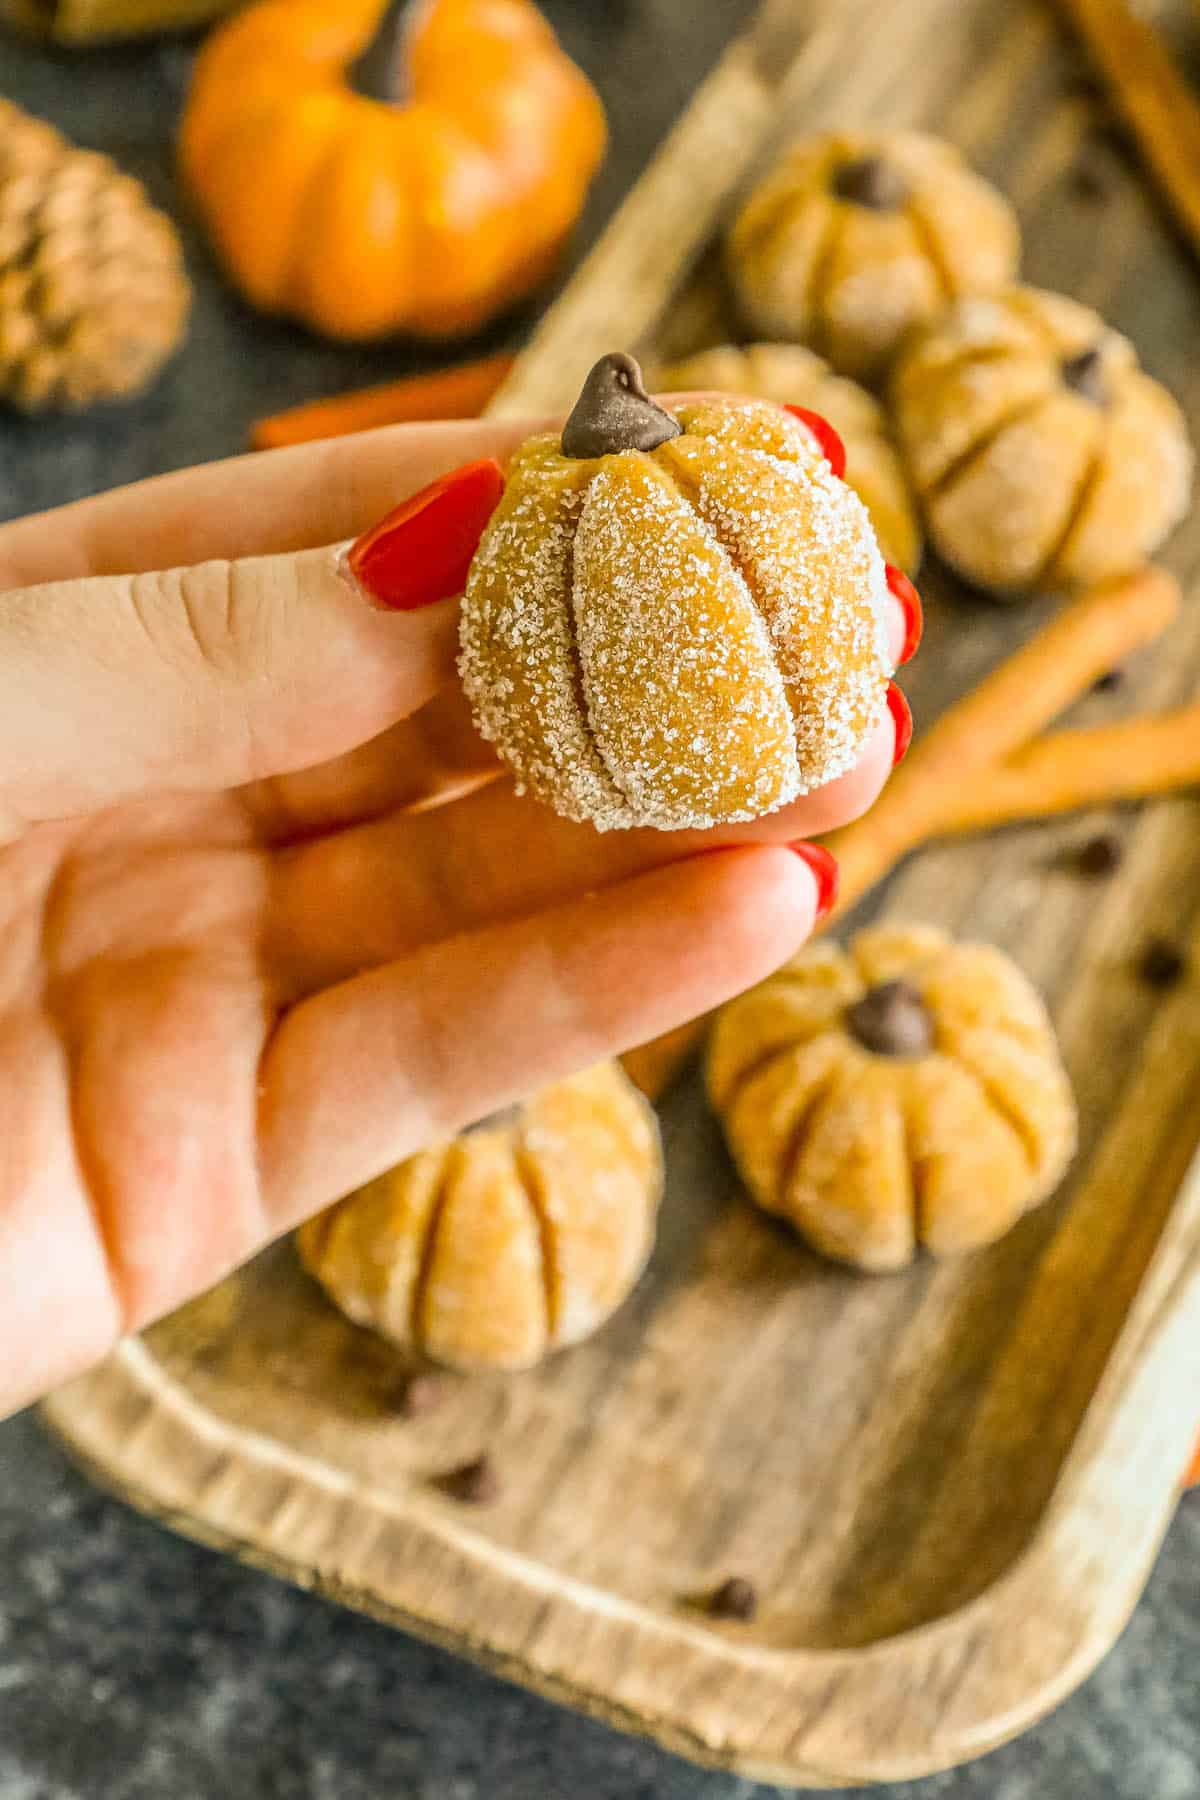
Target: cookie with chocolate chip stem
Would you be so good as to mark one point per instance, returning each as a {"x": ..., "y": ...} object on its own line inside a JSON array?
[
  {"x": 675, "y": 619},
  {"x": 516, "y": 1238},
  {"x": 1041, "y": 454},
  {"x": 905, "y": 1092},
  {"x": 855, "y": 238}
]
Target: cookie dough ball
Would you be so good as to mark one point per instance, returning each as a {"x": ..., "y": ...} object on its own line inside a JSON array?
[
  {"x": 854, "y": 238},
  {"x": 905, "y": 1092},
  {"x": 1041, "y": 453},
  {"x": 517, "y": 1238},
  {"x": 675, "y": 620}
]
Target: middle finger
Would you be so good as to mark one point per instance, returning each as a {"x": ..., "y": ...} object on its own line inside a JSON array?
[{"x": 369, "y": 894}]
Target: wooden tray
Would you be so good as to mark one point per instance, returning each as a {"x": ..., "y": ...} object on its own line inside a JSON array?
[{"x": 948, "y": 1485}]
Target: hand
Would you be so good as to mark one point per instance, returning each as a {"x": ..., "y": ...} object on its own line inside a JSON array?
[{"x": 271, "y": 918}]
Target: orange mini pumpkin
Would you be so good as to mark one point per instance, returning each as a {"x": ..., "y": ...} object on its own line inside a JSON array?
[{"x": 360, "y": 218}]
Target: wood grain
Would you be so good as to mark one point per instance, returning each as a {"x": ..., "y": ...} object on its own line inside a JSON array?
[
  {"x": 1152, "y": 97},
  {"x": 949, "y": 1485},
  {"x": 620, "y": 293}
]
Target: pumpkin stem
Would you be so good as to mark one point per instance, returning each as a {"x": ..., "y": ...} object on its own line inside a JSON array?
[
  {"x": 871, "y": 182},
  {"x": 506, "y": 1119},
  {"x": 1084, "y": 375},
  {"x": 892, "y": 1020},
  {"x": 380, "y": 71},
  {"x": 614, "y": 412}
]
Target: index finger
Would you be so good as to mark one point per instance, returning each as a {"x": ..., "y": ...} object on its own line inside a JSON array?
[{"x": 258, "y": 505}]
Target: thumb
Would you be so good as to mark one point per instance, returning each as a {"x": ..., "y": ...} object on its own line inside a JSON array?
[{"x": 208, "y": 677}]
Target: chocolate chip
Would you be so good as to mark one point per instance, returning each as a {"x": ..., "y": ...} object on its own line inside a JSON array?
[
  {"x": 1080, "y": 81},
  {"x": 1109, "y": 681},
  {"x": 1099, "y": 855},
  {"x": 419, "y": 1395},
  {"x": 1163, "y": 964},
  {"x": 614, "y": 412},
  {"x": 1090, "y": 178},
  {"x": 1084, "y": 375},
  {"x": 1110, "y": 135},
  {"x": 504, "y": 1120},
  {"x": 872, "y": 182},
  {"x": 892, "y": 1020},
  {"x": 474, "y": 1483},
  {"x": 736, "y": 1598}
]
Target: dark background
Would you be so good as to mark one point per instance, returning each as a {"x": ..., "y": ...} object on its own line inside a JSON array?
[{"x": 134, "y": 1666}]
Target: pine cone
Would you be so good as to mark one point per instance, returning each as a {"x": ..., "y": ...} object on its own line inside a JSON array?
[{"x": 93, "y": 295}]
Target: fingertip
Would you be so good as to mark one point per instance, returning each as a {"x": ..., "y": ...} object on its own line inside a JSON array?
[
  {"x": 902, "y": 722},
  {"x": 827, "y": 439},
  {"x": 840, "y": 802},
  {"x": 760, "y": 903},
  {"x": 822, "y": 865},
  {"x": 906, "y": 630},
  {"x": 421, "y": 552}
]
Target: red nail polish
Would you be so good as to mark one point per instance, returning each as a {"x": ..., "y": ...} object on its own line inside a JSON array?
[
  {"x": 421, "y": 552},
  {"x": 824, "y": 872},
  {"x": 902, "y": 719},
  {"x": 903, "y": 591},
  {"x": 831, "y": 444}
]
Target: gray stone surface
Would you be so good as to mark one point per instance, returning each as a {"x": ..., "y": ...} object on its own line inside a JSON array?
[
  {"x": 134, "y": 1666},
  {"x": 137, "y": 1667}
]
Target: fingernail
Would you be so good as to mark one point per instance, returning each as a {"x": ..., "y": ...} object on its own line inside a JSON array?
[
  {"x": 824, "y": 872},
  {"x": 421, "y": 552},
  {"x": 902, "y": 719},
  {"x": 831, "y": 444},
  {"x": 909, "y": 601}
]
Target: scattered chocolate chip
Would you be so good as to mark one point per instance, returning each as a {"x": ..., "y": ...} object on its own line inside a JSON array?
[
  {"x": 475, "y": 1483},
  {"x": 892, "y": 1020},
  {"x": 872, "y": 182},
  {"x": 1084, "y": 375},
  {"x": 1081, "y": 82},
  {"x": 1110, "y": 134},
  {"x": 419, "y": 1395},
  {"x": 1109, "y": 682},
  {"x": 736, "y": 1598},
  {"x": 614, "y": 412},
  {"x": 1099, "y": 855},
  {"x": 1090, "y": 178},
  {"x": 1163, "y": 964}
]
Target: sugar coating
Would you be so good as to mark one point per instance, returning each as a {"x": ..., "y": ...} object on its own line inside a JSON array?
[
  {"x": 1024, "y": 479},
  {"x": 790, "y": 374},
  {"x": 517, "y": 1237},
  {"x": 866, "y": 1154},
  {"x": 683, "y": 638},
  {"x": 806, "y": 263},
  {"x": 681, "y": 689}
]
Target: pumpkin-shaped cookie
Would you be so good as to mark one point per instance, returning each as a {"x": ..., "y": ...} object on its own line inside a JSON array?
[
  {"x": 1040, "y": 451},
  {"x": 361, "y": 217},
  {"x": 855, "y": 237},
  {"x": 517, "y": 1238},
  {"x": 675, "y": 619},
  {"x": 904, "y": 1092},
  {"x": 791, "y": 375}
]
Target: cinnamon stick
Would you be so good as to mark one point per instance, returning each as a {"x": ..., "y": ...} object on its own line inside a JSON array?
[
  {"x": 973, "y": 744},
  {"x": 1152, "y": 98},
  {"x": 1072, "y": 769},
  {"x": 460, "y": 392}
]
